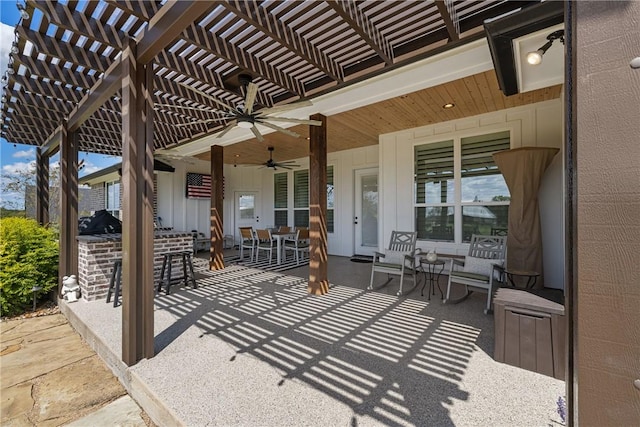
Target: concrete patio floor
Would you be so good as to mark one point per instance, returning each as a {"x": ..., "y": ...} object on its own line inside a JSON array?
[{"x": 250, "y": 347}]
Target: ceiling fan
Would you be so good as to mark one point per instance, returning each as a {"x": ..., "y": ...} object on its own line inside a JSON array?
[
  {"x": 288, "y": 164},
  {"x": 244, "y": 115}
]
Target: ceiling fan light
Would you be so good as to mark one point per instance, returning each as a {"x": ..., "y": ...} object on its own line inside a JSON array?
[
  {"x": 535, "y": 57},
  {"x": 245, "y": 124}
]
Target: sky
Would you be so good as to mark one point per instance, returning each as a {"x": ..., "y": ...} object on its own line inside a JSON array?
[{"x": 19, "y": 157}]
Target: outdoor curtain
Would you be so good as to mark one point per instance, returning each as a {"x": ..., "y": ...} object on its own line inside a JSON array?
[{"x": 523, "y": 169}]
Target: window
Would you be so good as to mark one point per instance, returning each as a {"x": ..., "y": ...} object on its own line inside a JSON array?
[
  {"x": 280, "y": 186},
  {"x": 460, "y": 201},
  {"x": 330, "y": 199},
  {"x": 112, "y": 201},
  {"x": 300, "y": 199}
]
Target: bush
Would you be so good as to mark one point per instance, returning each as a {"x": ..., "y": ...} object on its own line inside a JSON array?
[{"x": 28, "y": 258}]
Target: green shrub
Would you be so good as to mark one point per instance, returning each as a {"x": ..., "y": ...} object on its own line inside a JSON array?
[{"x": 28, "y": 258}]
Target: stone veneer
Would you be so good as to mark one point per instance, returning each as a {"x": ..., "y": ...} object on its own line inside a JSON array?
[{"x": 96, "y": 255}]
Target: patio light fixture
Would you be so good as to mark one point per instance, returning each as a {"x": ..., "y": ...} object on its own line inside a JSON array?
[
  {"x": 535, "y": 57},
  {"x": 448, "y": 105},
  {"x": 23, "y": 11}
]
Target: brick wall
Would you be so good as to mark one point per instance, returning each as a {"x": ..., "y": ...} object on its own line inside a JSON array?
[
  {"x": 96, "y": 199},
  {"x": 97, "y": 253}
]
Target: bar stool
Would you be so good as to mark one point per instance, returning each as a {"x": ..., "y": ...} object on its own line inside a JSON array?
[
  {"x": 114, "y": 283},
  {"x": 187, "y": 270}
]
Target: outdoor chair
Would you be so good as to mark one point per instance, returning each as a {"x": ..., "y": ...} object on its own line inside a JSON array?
[
  {"x": 481, "y": 268},
  {"x": 248, "y": 241},
  {"x": 265, "y": 242},
  {"x": 299, "y": 245},
  {"x": 398, "y": 259},
  {"x": 284, "y": 229}
]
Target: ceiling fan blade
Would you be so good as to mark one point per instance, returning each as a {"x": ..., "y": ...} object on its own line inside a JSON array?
[
  {"x": 287, "y": 107},
  {"x": 280, "y": 129},
  {"x": 230, "y": 126},
  {"x": 290, "y": 120},
  {"x": 252, "y": 91},
  {"x": 257, "y": 133},
  {"x": 280, "y": 165},
  {"x": 206, "y": 95}
]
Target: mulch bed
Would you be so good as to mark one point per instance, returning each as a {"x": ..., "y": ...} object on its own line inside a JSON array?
[{"x": 45, "y": 308}]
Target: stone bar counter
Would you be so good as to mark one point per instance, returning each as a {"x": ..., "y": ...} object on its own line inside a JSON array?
[{"x": 96, "y": 254}]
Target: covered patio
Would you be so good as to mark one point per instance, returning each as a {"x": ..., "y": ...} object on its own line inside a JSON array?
[
  {"x": 137, "y": 78},
  {"x": 251, "y": 347}
]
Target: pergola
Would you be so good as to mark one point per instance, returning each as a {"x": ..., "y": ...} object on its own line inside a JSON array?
[{"x": 128, "y": 77}]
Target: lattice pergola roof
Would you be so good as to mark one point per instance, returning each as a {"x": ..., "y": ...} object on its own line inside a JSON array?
[{"x": 65, "y": 51}]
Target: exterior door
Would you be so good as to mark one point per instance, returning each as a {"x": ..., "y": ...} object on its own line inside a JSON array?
[
  {"x": 247, "y": 214},
  {"x": 366, "y": 211}
]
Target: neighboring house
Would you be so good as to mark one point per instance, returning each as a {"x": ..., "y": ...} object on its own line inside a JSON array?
[{"x": 172, "y": 209}]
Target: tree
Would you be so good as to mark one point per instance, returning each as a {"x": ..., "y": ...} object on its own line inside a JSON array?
[{"x": 22, "y": 184}]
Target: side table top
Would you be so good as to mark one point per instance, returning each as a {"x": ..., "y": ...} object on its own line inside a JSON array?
[
  {"x": 522, "y": 272},
  {"x": 424, "y": 260}
]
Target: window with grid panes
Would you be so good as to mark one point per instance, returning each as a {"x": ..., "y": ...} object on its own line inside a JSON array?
[
  {"x": 112, "y": 195},
  {"x": 280, "y": 196},
  {"x": 475, "y": 191},
  {"x": 301, "y": 199}
]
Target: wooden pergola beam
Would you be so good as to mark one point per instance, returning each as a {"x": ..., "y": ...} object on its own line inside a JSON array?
[
  {"x": 318, "y": 253},
  {"x": 68, "y": 259},
  {"x": 63, "y": 17},
  {"x": 137, "y": 225},
  {"x": 42, "y": 187},
  {"x": 52, "y": 144},
  {"x": 361, "y": 24},
  {"x": 448, "y": 20},
  {"x": 200, "y": 37},
  {"x": 254, "y": 14},
  {"x": 97, "y": 96},
  {"x": 167, "y": 24},
  {"x": 216, "y": 255}
]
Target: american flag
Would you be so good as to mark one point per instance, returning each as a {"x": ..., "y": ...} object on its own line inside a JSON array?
[{"x": 198, "y": 185}]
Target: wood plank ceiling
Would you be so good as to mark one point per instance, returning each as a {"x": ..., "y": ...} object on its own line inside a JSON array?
[{"x": 293, "y": 50}]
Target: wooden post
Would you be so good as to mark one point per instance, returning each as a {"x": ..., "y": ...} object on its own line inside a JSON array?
[
  {"x": 318, "y": 283},
  {"x": 68, "y": 261},
  {"x": 137, "y": 207},
  {"x": 42, "y": 187},
  {"x": 216, "y": 255}
]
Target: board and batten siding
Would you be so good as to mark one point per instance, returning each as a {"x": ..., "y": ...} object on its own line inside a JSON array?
[
  {"x": 534, "y": 125},
  {"x": 345, "y": 163}
]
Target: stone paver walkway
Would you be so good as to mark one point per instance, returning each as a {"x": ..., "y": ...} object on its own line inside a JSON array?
[{"x": 50, "y": 377}]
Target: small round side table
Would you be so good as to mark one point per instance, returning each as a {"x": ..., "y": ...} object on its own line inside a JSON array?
[
  {"x": 532, "y": 277},
  {"x": 431, "y": 276}
]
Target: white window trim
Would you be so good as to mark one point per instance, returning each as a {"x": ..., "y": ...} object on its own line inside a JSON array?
[{"x": 457, "y": 204}]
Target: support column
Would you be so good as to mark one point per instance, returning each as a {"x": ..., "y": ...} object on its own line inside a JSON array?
[
  {"x": 42, "y": 187},
  {"x": 318, "y": 257},
  {"x": 68, "y": 260},
  {"x": 216, "y": 255},
  {"x": 137, "y": 204}
]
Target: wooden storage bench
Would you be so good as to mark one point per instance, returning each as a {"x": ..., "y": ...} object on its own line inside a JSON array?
[{"x": 530, "y": 332}]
